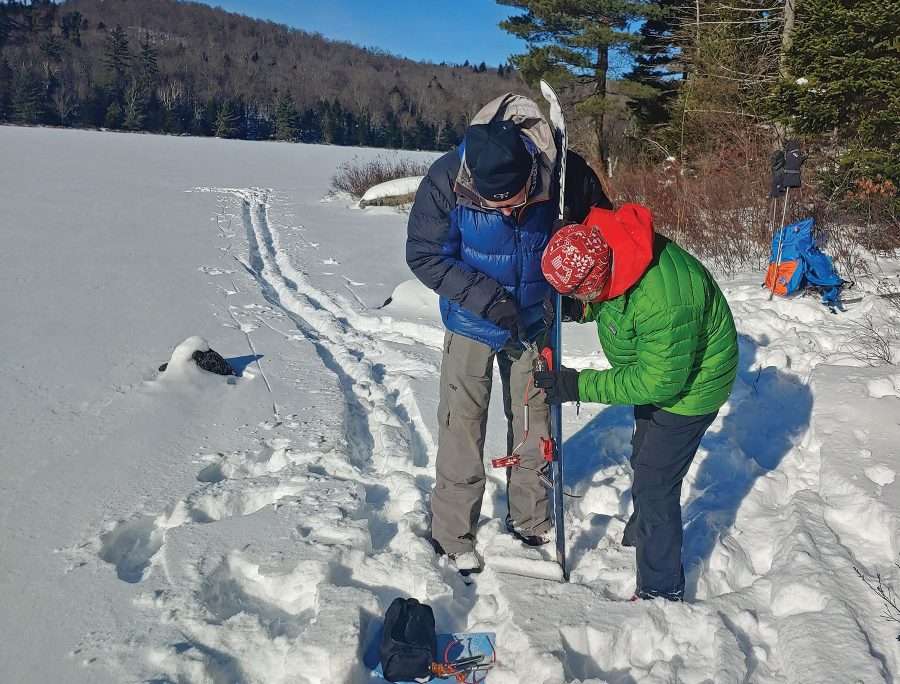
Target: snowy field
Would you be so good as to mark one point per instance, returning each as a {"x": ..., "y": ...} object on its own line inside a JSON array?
[{"x": 182, "y": 527}]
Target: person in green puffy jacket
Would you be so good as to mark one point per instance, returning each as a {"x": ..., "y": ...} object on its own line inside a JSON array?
[{"x": 667, "y": 331}]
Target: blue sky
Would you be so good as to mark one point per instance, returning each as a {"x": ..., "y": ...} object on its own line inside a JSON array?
[{"x": 434, "y": 30}]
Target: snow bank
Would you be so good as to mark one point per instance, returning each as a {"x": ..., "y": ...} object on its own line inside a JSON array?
[{"x": 398, "y": 188}]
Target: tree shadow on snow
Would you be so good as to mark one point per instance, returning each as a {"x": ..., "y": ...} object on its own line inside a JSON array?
[{"x": 769, "y": 411}]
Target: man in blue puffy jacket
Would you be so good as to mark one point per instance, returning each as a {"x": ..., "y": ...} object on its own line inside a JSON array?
[{"x": 479, "y": 225}]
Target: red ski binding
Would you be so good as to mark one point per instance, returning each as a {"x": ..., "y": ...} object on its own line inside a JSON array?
[{"x": 510, "y": 461}]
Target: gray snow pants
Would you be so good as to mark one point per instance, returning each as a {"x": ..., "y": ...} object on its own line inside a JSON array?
[{"x": 466, "y": 377}]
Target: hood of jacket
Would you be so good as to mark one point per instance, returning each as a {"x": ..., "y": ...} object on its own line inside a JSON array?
[
  {"x": 628, "y": 231},
  {"x": 527, "y": 116}
]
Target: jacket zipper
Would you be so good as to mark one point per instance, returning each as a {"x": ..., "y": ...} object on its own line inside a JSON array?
[{"x": 518, "y": 257}]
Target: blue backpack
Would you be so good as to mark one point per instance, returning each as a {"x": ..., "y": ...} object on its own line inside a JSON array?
[{"x": 802, "y": 264}]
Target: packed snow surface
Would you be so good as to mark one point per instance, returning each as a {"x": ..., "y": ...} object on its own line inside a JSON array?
[{"x": 185, "y": 527}]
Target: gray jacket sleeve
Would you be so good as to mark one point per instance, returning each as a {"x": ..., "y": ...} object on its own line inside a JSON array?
[{"x": 433, "y": 243}]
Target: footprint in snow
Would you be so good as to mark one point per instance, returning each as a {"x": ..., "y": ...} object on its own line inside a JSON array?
[
  {"x": 214, "y": 270},
  {"x": 880, "y": 475},
  {"x": 130, "y": 547}
]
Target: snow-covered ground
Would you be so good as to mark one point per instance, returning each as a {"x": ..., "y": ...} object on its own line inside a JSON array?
[{"x": 184, "y": 527}]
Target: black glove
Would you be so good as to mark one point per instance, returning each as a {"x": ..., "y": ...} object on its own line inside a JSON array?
[
  {"x": 572, "y": 309},
  {"x": 559, "y": 386},
  {"x": 505, "y": 314}
]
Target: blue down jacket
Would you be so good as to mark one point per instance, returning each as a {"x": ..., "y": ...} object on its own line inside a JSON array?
[{"x": 473, "y": 257}]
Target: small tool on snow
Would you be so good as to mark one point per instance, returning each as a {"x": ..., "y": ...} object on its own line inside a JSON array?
[{"x": 464, "y": 670}]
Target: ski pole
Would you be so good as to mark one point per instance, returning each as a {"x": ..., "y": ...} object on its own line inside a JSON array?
[
  {"x": 772, "y": 225},
  {"x": 787, "y": 193}
]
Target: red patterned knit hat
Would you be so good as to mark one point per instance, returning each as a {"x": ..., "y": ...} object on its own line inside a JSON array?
[{"x": 577, "y": 260}]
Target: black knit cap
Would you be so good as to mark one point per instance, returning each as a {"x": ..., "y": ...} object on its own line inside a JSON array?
[{"x": 498, "y": 159}]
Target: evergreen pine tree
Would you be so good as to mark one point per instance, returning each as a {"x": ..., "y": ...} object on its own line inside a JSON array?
[
  {"x": 70, "y": 24},
  {"x": 393, "y": 134},
  {"x": 448, "y": 138},
  {"x": 333, "y": 122},
  {"x": 363, "y": 128},
  {"x": 656, "y": 83},
  {"x": 569, "y": 43},
  {"x": 843, "y": 75},
  {"x": 287, "y": 124},
  {"x": 311, "y": 126},
  {"x": 340, "y": 123},
  {"x": 51, "y": 47},
  {"x": 148, "y": 78},
  {"x": 227, "y": 121},
  {"x": 6, "y": 89},
  {"x": 92, "y": 110},
  {"x": 148, "y": 72},
  {"x": 114, "y": 115},
  {"x": 29, "y": 101},
  {"x": 6, "y": 23},
  {"x": 117, "y": 60}
]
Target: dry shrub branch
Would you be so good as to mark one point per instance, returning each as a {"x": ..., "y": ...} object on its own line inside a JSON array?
[
  {"x": 356, "y": 176},
  {"x": 716, "y": 205}
]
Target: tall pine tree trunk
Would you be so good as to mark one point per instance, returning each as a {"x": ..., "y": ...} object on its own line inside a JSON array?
[{"x": 600, "y": 70}]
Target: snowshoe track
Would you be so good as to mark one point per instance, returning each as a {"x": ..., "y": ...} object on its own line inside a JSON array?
[
  {"x": 381, "y": 465},
  {"x": 309, "y": 594}
]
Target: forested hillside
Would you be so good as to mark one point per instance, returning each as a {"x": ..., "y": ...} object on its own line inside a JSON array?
[{"x": 182, "y": 67}]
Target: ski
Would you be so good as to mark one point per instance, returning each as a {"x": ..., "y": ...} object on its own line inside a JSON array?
[{"x": 558, "y": 124}]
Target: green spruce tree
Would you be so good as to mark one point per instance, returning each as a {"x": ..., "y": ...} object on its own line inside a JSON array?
[
  {"x": 842, "y": 77},
  {"x": 6, "y": 89},
  {"x": 29, "y": 101},
  {"x": 114, "y": 115},
  {"x": 117, "y": 60},
  {"x": 569, "y": 44},
  {"x": 227, "y": 120},
  {"x": 448, "y": 137},
  {"x": 70, "y": 24},
  {"x": 287, "y": 123},
  {"x": 148, "y": 67}
]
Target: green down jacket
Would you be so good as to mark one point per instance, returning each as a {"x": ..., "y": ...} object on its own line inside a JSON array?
[{"x": 670, "y": 337}]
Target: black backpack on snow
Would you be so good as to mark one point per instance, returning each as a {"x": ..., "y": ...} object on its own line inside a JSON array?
[
  {"x": 213, "y": 362},
  {"x": 209, "y": 360},
  {"x": 409, "y": 641}
]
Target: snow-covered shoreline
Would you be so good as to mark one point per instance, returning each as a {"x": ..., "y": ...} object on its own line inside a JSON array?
[{"x": 163, "y": 529}]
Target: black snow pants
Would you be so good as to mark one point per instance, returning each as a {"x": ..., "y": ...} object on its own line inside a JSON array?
[{"x": 663, "y": 447}]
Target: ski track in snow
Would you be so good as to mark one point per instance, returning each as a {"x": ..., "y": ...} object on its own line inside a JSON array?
[{"x": 772, "y": 524}]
